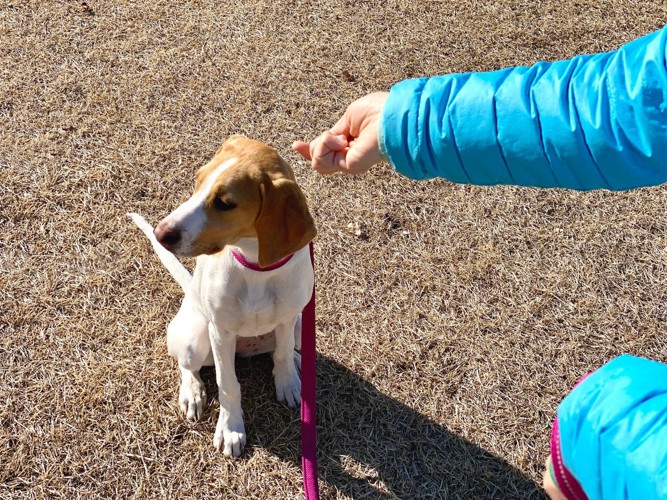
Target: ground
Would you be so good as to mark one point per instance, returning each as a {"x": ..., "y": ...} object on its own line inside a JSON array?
[{"x": 451, "y": 319}]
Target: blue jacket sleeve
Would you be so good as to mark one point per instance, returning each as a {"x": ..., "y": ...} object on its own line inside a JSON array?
[
  {"x": 594, "y": 121},
  {"x": 613, "y": 430}
]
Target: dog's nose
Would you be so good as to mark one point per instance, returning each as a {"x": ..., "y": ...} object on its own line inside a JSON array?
[{"x": 168, "y": 237}]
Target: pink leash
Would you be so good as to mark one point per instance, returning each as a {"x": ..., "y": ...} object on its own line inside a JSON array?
[{"x": 308, "y": 410}]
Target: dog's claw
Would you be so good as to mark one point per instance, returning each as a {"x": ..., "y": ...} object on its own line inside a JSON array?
[
  {"x": 288, "y": 381},
  {"x": 288, "y": 389},
  {"x": 192, "y": 396},
  {"x": 231, "y": 441}
]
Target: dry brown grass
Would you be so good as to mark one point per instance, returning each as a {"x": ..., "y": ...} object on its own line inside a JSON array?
[{"x": 452, "y": 319}]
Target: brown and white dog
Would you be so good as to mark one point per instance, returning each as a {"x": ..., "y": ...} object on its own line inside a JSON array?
[{"x": 246, "y": 208}]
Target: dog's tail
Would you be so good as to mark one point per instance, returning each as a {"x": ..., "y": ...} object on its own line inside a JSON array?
[{"x": 168, "y": 259}]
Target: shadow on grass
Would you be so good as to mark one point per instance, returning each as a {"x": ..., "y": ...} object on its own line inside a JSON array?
[{"x": 371, "y": 445}]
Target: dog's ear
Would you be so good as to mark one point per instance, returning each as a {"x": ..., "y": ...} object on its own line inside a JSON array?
[
  {"x": 284, "y": 224},
  {"x": 230, "y": 142}
]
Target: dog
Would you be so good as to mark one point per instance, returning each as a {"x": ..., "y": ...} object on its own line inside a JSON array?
[{"x": 249, "y": 226}]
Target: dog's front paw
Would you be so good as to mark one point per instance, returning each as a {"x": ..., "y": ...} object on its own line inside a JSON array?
[
  {"x": 229, "y": 439},
  {"x": 288, "y": 386},
  {"x": 191, "y": 396}
]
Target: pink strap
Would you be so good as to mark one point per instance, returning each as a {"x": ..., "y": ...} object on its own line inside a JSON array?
[
  {"x": 256, "y": 267},
  {"x": 567, "y": 483},
  {"x": 308, "y": 397}
]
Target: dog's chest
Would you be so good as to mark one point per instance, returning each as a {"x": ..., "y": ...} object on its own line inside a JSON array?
[
  {"x": 254, "y": 310},
  {"x": 244, "y": 307},
  {"x": 249, "y": 303}
]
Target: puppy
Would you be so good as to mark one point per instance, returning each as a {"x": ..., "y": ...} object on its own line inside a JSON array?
[{"x": 248, "y": 224}]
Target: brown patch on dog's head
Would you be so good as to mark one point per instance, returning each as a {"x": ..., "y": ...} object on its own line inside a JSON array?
[{"x": 257, "y": 196}]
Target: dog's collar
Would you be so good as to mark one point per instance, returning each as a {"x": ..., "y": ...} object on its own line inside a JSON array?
[{"x": 254, "y": 266}]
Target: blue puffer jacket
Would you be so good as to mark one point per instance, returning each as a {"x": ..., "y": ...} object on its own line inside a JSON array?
[
  {"x": 594, "y": 121},
  {"x": 613, "y": 431}
]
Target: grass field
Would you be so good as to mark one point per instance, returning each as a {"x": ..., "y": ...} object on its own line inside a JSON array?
[{"x": 451, "y": 319}]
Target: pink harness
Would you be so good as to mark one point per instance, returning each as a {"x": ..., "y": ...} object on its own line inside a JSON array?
[{"x": 308, "y": 372}]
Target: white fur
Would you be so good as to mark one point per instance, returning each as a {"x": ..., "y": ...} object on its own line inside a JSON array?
[
  {"x": 190, "y": 217},
  {"x": 225, "y": 305},
  {"x": 169, "y": 260}
]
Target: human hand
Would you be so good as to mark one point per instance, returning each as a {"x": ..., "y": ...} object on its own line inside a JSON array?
[{"x": 351, "y": 146}]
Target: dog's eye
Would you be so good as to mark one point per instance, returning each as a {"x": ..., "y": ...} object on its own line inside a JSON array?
[{"x": 222, "y": 205}]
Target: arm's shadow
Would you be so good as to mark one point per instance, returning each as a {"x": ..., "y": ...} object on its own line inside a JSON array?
[{"x": 371, "y": 445}]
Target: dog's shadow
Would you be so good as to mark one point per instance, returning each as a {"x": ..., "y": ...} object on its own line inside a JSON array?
[{"x": 370, "y": 445}]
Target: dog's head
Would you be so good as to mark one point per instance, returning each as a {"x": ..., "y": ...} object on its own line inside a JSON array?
[{"x": 246, "y": 191}]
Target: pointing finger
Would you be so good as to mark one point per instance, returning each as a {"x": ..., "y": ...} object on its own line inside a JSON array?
[{"x": 303, "y": 148}]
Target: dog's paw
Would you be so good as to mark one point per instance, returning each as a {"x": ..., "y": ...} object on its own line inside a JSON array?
[
  {"x": 191, "y": 396},
  {"x": 231, "y": 440},
  {"x": 288, "y": 387}
]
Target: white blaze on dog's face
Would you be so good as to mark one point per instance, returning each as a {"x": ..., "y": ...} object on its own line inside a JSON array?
[
  {"x": 180, "y": 230},
  {"x": 245, "y": 191}
]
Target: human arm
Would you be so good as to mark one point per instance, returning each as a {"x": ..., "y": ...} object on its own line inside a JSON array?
[{"x": 594, "y": 121}]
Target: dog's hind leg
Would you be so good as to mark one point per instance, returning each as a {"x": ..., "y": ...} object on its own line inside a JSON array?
[
  {"x": 188, "y": 342},
  {"x": 252, "y": 346}
]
